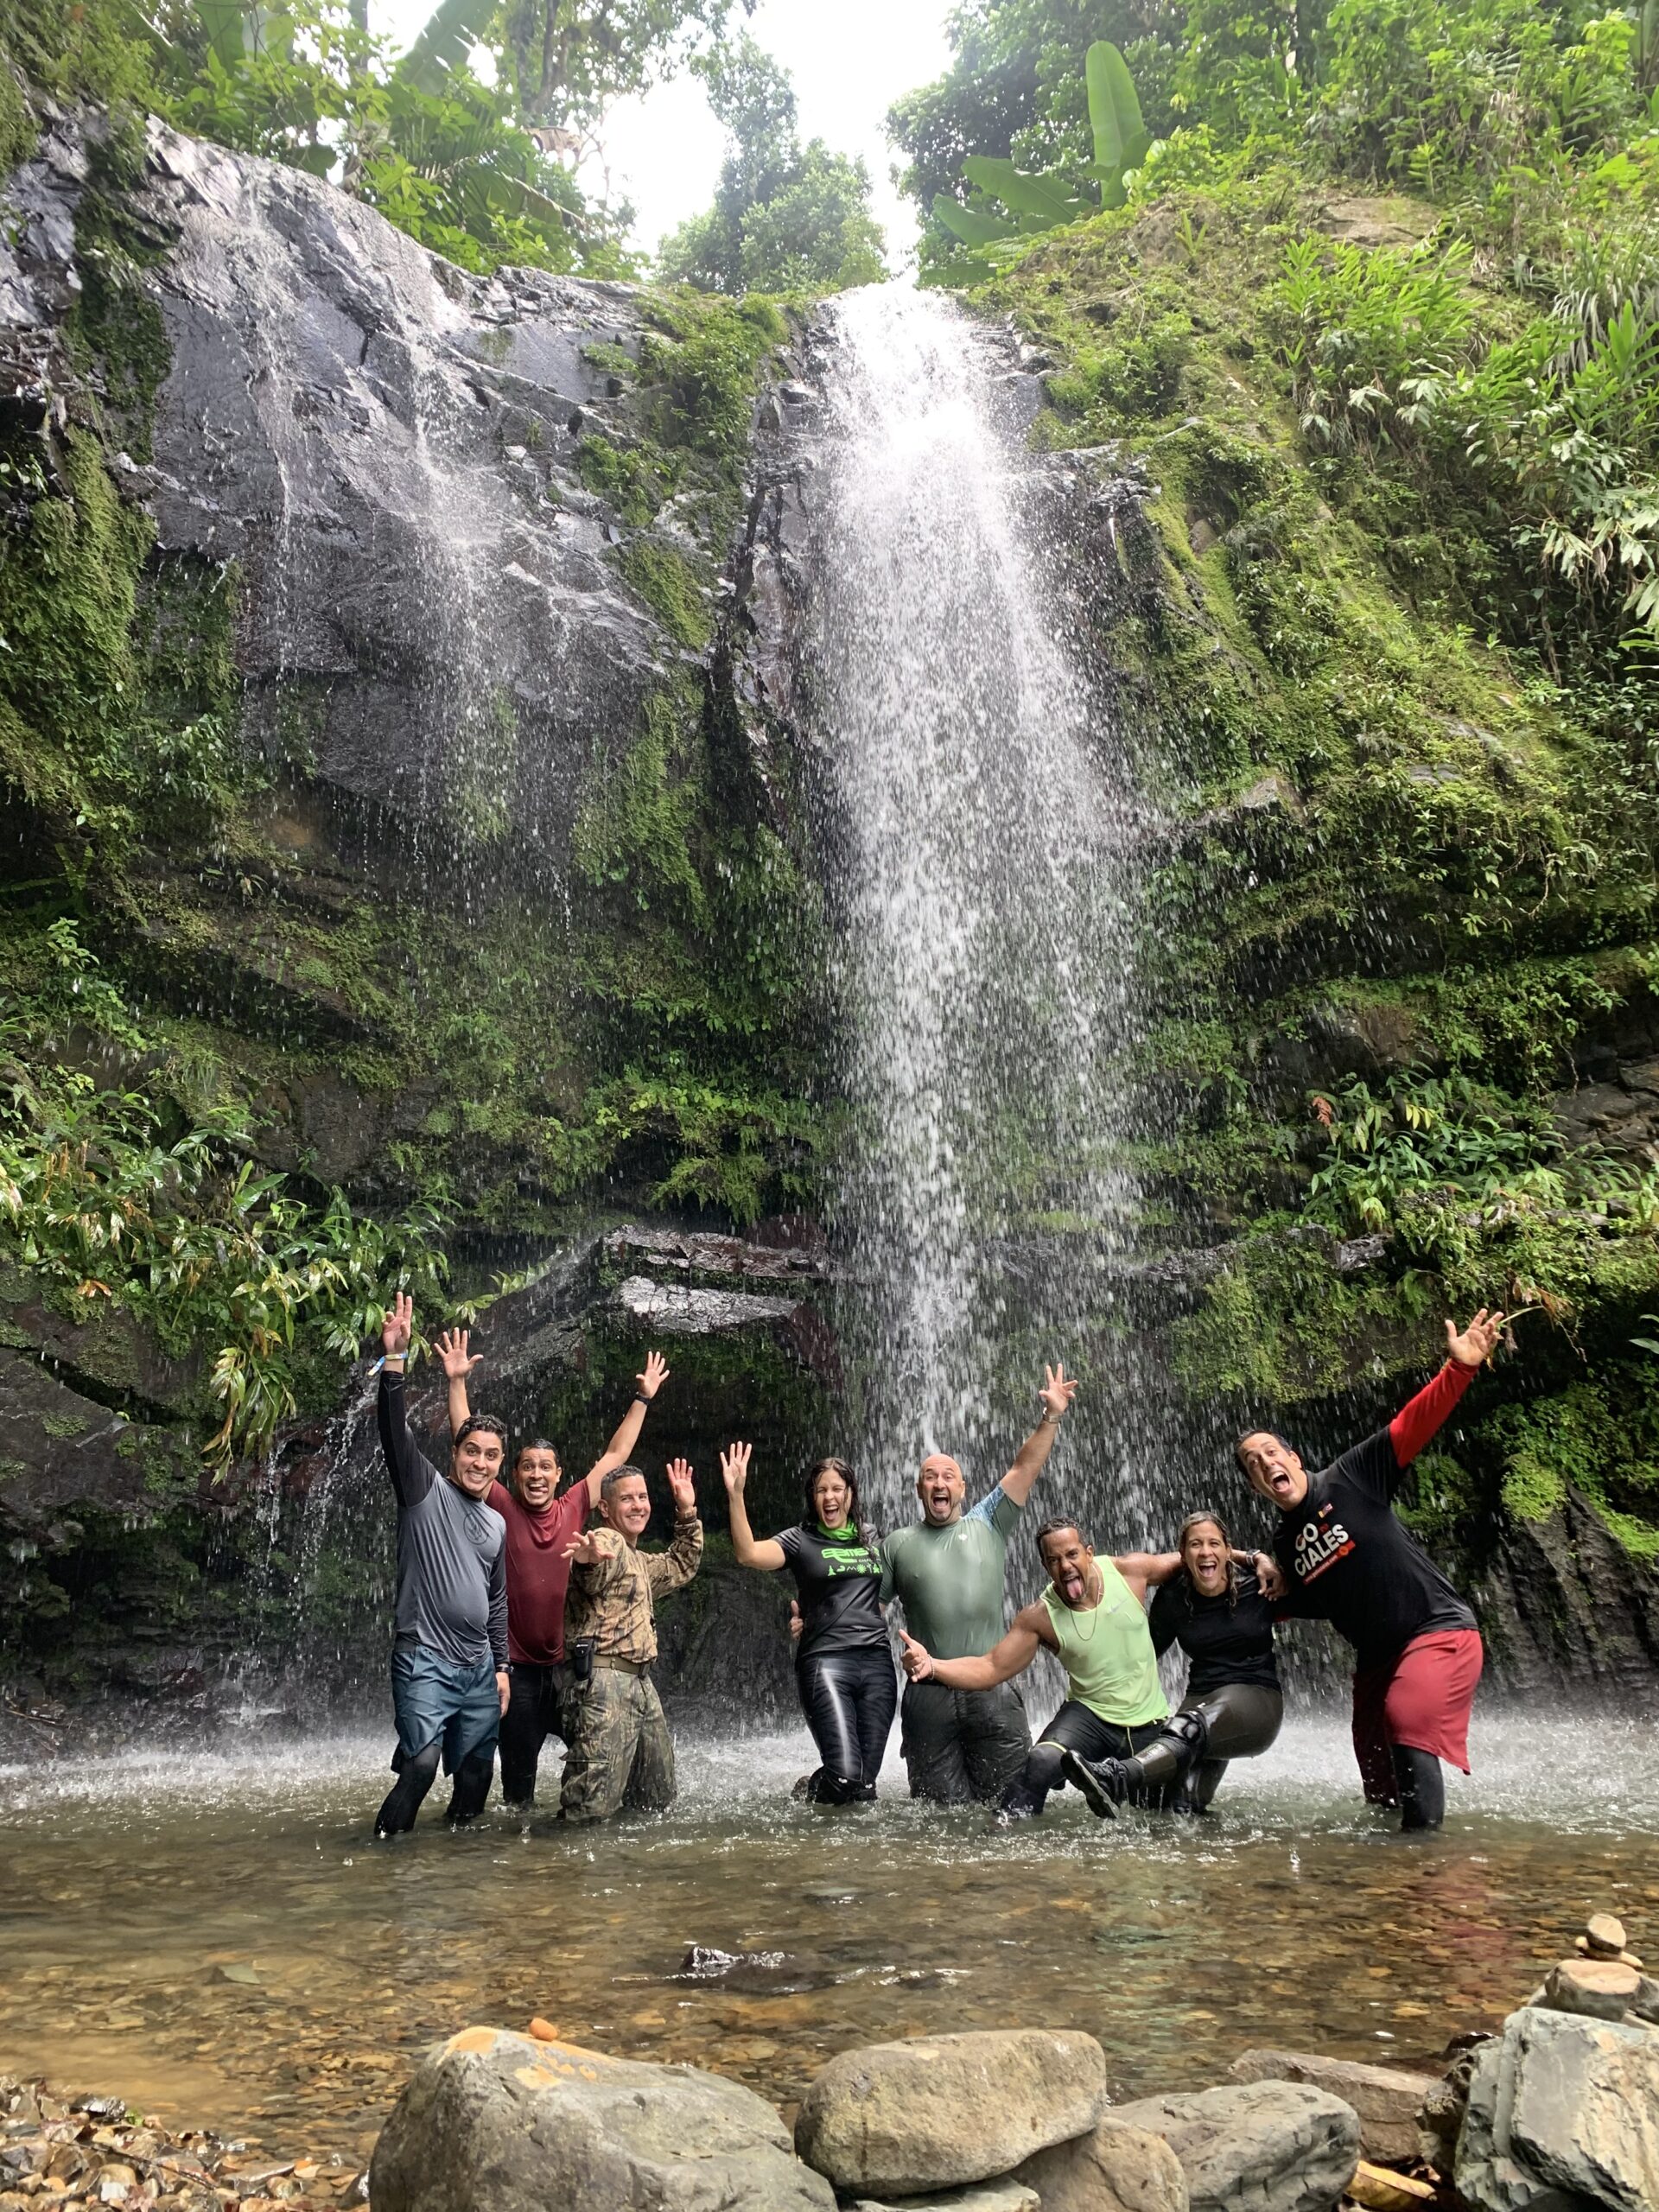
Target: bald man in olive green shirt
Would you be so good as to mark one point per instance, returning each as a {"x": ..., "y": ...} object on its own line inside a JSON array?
[{"x": 947, "y": 1571}]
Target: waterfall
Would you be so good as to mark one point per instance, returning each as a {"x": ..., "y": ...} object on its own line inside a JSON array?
[{"x": 978, "y": 868}]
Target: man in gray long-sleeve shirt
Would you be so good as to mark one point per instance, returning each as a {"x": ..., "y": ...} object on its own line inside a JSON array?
[{"x": 449, "y": 1681}]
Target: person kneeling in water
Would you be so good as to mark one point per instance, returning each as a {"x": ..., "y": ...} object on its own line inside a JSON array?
[
  {"x": 1344, "y": 1557},
  {"x": 1214, "y": 1608},
  {"x": 1093, "y": 1617}
]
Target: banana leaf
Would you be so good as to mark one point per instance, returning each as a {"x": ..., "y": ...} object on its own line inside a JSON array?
[
  {"x": 1025, "y": 193},
  {"x": 238, "y": 30},
  {"x": 1120, "y": 137},
  {"x": 445, "y": 42},
  {"x": 1112, "y": 194},
  {"x": 968, "y": 224}
]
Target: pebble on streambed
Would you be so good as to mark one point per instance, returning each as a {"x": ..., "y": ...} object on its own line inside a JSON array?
[{"x": 90, "y": 2149}]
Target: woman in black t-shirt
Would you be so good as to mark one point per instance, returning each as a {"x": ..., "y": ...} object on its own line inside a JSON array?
[
  {"x": 843, "y": 1663},
  {"x": 1212, "y": 1606}
]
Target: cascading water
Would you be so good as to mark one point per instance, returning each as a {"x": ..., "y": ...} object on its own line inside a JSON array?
[{"x": 978, "y": 820}]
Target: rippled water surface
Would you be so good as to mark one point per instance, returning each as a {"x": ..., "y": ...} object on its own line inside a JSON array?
[{"x": 218, "y": 1937}]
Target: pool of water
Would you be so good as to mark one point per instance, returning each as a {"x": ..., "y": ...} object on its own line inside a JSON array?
[{"x": 218, "y": 1937}]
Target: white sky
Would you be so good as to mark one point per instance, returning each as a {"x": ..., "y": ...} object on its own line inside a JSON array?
[{"x": 850, "y": 60}]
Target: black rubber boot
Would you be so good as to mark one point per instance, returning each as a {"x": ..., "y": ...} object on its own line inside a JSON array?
[
  {"x": 1100, "y": 1781},
  {"x": 471, "y": 1790},
  {"x": 1422, "y": 1786}
]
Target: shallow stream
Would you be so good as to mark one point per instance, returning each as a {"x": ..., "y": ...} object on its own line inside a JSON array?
[{"x": 218, "y": 1939}]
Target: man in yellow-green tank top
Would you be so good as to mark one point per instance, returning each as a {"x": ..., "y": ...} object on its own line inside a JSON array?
[{"x": 1093, "y": 1617}]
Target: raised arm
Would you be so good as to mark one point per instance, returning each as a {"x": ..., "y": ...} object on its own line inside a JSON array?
[
  {"x": 750, "y": 1550},
  {"x": 1145, "y": 1571},
  {"x": 412, "y": 1473},
  {"x": 1033, "y": 1456},
  {"x": 1467, "y": 1351},
  {"x": 1000, "y": 1664},
  {"x": 619, "y": 1450},
  {"x": 674, "y": 1568},
  {"x": 457, "y": 1364},
  {"x": 596, "y": 1559}
]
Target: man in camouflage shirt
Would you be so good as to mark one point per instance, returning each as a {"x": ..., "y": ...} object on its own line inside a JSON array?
[{"x": 622, "y": 1754}]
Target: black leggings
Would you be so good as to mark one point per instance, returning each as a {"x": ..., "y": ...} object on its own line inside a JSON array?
[
  {"x": 1181, "y": 1768},
  {"x": 1075, "y": 1728},
  {"x": 467, "y": 1793},
  {"x": 849, "y": 1699}
]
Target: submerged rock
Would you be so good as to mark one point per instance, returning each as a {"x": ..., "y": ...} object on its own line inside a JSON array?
[
  {"x": 1275, "y": 2146},
  {"x": 939, "y": 2110},
  {"x": 496, "y": 2122}
]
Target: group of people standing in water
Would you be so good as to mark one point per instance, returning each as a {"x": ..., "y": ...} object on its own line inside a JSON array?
[{"x": 520, "y": 1616}]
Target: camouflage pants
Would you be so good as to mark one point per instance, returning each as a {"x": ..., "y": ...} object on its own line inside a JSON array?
[{"x": 621, "y": 1757}]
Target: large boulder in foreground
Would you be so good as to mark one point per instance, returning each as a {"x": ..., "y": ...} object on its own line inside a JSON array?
[
  {"x": 494, "y": 2122},
  {"x": 1114, "y": 2168},
  {"x": 1273, "y": 2146},
  {"x": 1386, "y": 2098},
  {"x": 900, "y": 2118},
  {"x": 1562, "y": 2107}
]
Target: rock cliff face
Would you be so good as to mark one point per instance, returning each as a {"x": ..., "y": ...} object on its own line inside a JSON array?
[{"x": 489, "y": 594}]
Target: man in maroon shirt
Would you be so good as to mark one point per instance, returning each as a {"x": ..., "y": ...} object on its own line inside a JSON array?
[
  {"x": 541, "y": 1528},
  {"x": 1343, "y": 1556}
]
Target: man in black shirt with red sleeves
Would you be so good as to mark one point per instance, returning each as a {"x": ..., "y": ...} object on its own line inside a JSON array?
[{"x": 1345, "y": 1557}]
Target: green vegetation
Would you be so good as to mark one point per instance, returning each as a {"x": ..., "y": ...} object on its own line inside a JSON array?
[
  {"x": 785, "y": 219},
  {"x": 1377, "y": 324}
]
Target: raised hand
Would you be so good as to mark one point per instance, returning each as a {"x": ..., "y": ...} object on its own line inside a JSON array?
[
  {"x": 1477, "y": 1344},
  {"x": 586, "y": 1550},
  {"x": 451, "y": 1348},
  {"x": 680, "y": 1484},
  {"x": 655, "y": 1375},
  {"x": 398, "y": 1326},
  {"x": 916, "y": 1660},
  {"x": 1059, "y": 1390},
  {"x": 735, "y": 1468}
]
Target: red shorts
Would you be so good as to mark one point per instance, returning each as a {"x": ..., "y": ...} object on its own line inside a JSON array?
[{"x": 1421, "y": 1699}]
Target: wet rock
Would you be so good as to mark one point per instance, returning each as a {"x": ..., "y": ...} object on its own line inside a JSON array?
[
  {"x": 496, "y": 2122},
  {"x": 1275, "y": 2146},
  {"x": 1562, "y": 2108},
  {"x": 1440, "y": 2118},
  {"x": 900, "y": 2118},
  {"x": 1387, "y": 2099},
  {"x": 1114, "y": 2168}
]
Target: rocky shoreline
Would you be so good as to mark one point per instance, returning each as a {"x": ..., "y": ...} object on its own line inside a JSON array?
[{"x": 1559, "y": 2111}]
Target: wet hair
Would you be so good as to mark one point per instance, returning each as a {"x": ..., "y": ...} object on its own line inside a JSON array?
[
  {"x": 1197, "y": 1520},
  {"x": 1053, "y": 1528},
  {"x": 479, "y": 1424},
  {"x": 534, "y": 1444},
  {"x": 831, "y": 1466},
  {"x": 1283, "y": 1442},
  {"x": 619, "y": 1475}
]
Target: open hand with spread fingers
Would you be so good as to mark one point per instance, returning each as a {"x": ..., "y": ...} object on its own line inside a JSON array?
[
  {"x": 1475, "y": 1345},
  {"x": 398, "y": 1327},
  {"x": 451, "y": 1348},
  {"x": 682, "y": 1488},
  {"x": 586, "y": 1550},
  {"x": 655, "y": 1375},
  {"x": 735, "y": 1468},
  {"x": 1057, "y": 1391},
  {"x": 917, "y": 1661}
]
